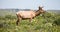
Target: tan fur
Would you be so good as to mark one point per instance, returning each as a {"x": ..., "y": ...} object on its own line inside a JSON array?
[{"x": 26, "y": 14}]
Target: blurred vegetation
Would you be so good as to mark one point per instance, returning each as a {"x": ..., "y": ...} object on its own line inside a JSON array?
[{"x": 47, "y": 22}]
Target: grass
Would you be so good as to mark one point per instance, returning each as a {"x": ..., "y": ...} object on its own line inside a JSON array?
[{"x": 49, "y": 22}]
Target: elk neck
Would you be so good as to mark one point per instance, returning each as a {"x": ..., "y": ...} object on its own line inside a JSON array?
[{"x": 37, "y": 12}]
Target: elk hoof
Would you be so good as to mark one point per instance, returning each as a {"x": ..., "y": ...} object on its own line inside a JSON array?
[{"x": 16, "y": 23}]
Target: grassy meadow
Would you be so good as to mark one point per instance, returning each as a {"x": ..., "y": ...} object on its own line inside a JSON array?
[{"x": 47, "y": 22}]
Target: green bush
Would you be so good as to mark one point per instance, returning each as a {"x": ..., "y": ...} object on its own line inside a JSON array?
[
  {"x": 10, "y": 17},
  {"x": 39, "y": 24},
  {"x": 57, "y": 21},
  {"x": 2, "y": 18}
]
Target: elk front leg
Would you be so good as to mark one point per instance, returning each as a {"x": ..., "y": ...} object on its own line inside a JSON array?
[{"x": 19, "y": 19}]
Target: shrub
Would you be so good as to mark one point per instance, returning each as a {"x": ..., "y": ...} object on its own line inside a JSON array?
[
  {"x": 2, "y": 18},
  {"x": 57, "y": 21},
  {"x": 10, "y": 17}
]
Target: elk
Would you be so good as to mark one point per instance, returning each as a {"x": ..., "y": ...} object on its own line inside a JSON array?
[{"x": 28, "y": 14}]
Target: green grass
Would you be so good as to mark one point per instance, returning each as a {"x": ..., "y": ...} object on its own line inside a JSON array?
[{"x": 49, "y": 22}]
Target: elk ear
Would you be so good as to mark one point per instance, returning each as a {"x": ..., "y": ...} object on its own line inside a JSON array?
[{"x": 41, "y": 6}]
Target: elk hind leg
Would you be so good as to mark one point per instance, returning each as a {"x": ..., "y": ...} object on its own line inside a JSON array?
[{"x": 30, "y": 20}]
